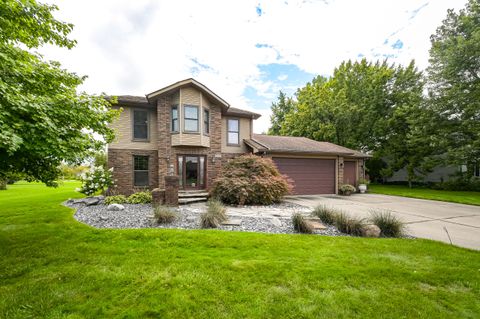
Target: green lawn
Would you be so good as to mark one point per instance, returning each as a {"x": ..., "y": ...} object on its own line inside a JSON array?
[
  {"x": 472, "y": 198},
  {"x": 52, "y": 266}
]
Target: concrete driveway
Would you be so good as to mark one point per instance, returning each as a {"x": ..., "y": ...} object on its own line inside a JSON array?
[{"x": 424, "y": 218}]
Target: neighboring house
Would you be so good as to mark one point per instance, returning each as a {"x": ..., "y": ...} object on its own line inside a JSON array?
[
  {"x": 440, "y": 173},
  {"x": 185, "y": 129}
]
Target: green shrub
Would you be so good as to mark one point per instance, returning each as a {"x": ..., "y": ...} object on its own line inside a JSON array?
[
  {"x": 326, "y": 214},
  {"x": 116, "y": 199},
  {"x": 214, "y": 216},
  {"x": 250, "y": 180},
  {"x": 347, "y": 189},
  {"x": 390, "y": 225},
  {"x": 459, "y": 184},
  {"x": 301, "y": 225},
  {"x": 164, "y": 215},
  {"x": 140, "y": 198},
  {"x": 349, "y": 225}
]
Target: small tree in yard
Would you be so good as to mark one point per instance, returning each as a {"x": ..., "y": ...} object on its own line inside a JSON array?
[{"x": 250, "y": 180}]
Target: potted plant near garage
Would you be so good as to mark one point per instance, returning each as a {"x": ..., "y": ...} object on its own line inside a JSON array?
[
  {"x": 362, "y": 185},
  {"x": 347, "y": 189}
]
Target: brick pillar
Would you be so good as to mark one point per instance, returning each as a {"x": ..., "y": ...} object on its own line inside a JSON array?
[
  {"x": 164, "y": 142},
  {"x": 158, "y": 196},
  {"x": 340, "y": 171},
  {"x": 171, "y": 190}
]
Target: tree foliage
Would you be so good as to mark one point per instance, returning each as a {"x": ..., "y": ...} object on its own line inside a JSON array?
[
  {"x": 454, "y": 83},
  {"x": 374, "y": 107},
  {"x": 279, "y": 110},
  {"x": 43, "y": 120}
]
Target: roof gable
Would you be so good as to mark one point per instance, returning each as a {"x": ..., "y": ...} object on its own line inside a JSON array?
[{"x": 188, "y": 82}]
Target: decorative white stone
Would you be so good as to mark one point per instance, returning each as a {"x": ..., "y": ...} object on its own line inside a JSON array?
[
  {"x": 232, "y": 222},
  {"x": 115, "y": 207},
  {"x": 276, "y": 222}
]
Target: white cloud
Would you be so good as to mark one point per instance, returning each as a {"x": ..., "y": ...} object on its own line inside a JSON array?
[{"x": 135, "y": 47}]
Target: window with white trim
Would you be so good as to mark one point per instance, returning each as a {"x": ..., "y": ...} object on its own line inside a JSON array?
[
  {"x": 174, "y": 115},
  {"x": 233, "y": 132},
  {"x": 140, "y": 170},
  {"x": 190, "y": 115}
]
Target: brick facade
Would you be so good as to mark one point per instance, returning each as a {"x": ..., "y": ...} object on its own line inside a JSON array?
[
  {"x": 122, "y": 162},
  {"x": 167, "y": 154}
]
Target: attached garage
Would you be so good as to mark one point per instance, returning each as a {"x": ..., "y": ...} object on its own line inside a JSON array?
[
  {"x": 311, "y": 165},
  {"x": 310, "y": 175}
]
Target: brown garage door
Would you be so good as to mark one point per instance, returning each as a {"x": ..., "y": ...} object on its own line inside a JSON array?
[
  {"x": 310, "y": 175},
  {"x": 350, "y": 173}
]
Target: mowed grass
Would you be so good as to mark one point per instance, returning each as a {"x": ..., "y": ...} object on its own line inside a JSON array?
[
  {"x": 54, "y": 267},
  {"x": 471, "y": 198}
]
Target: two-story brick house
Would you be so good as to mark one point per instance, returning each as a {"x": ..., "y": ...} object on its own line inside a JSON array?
[{"x": 185, "y": 129}]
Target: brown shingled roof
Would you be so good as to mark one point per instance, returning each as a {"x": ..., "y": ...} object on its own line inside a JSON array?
[
  {"x": 242, "y": 113},
  {"x": 129, "y": 99},
  {"x": 293, "y": 144}
]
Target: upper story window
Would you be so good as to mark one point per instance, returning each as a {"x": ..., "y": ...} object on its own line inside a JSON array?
[
  {"x": 190, "y": 118},
  {"x": 233, "y": 132},
  {"x": 140, "y": 124},
  {"x": 140, "y": 170},
  {"x": 174, "y": 125},
  {"x": 206, "y": 122}
]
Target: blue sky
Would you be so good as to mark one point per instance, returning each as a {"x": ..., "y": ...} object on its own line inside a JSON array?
[{"x": 245, "y": 51}]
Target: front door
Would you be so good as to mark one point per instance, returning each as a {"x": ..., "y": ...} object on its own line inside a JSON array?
[{"x": 191, "y": 169}]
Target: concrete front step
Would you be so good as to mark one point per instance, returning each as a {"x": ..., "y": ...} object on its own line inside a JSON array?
[
  {"x": 191, "y": 200},
  {"x": 190, "y": 195}
]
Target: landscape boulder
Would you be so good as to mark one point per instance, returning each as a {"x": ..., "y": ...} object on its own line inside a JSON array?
[
  {"x": 115, "y": 207},
  {"x": 371, "y": 231}
]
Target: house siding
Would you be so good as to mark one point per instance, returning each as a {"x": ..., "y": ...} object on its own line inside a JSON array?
[
  {"x": 124, "y": 132},
  {"x": 245, "y": 133}
]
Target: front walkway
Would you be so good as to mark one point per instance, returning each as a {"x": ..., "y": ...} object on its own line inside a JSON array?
[{"x": 424, "y": 218}]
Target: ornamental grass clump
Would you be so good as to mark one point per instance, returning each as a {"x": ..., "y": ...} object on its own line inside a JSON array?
[
  {"x": 390, "y": 225},
  {"x": 301, "y": 225},
  {"x": 349, "y": 225},
  {"x": 326, "y": 214},
  {"x": 214, "y": 216},
  {"x": 250, "y": 180},
  {"x": 164, "y": 215}
]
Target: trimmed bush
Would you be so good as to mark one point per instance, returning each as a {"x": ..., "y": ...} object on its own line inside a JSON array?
[
  {"x": 164, "y": 215},
  {"x": 347, "y": 189},
  {"x": 349, "y": 225},
  {"x": 116, "y": 199},
  {"x": 301, "y": 225},
  {"x": 250, "y": 180},
  {"x": 140, "y": 198},
  {"x": 390, "y": 225},
  {"x": 214, "y": 216},
  {"x": 326, "y": 214}
]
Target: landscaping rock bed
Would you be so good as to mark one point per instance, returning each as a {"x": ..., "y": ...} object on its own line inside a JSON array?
[{"x": 265, "y": 219}]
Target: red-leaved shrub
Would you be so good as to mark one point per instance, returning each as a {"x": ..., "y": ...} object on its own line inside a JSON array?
[{"x": 250, "y": 180}]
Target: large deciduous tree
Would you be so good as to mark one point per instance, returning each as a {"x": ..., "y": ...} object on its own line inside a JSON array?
[
  {"x": 279, "y": 109},
  {"x": 454, "y": 83},
  {"x": 374, "y": 107},
  {"x": 43, "y": 120}
]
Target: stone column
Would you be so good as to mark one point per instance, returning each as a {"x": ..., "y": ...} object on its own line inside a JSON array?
[
  {"x": 171, "y": 190},
  {"x": 340, "y": 171}
]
